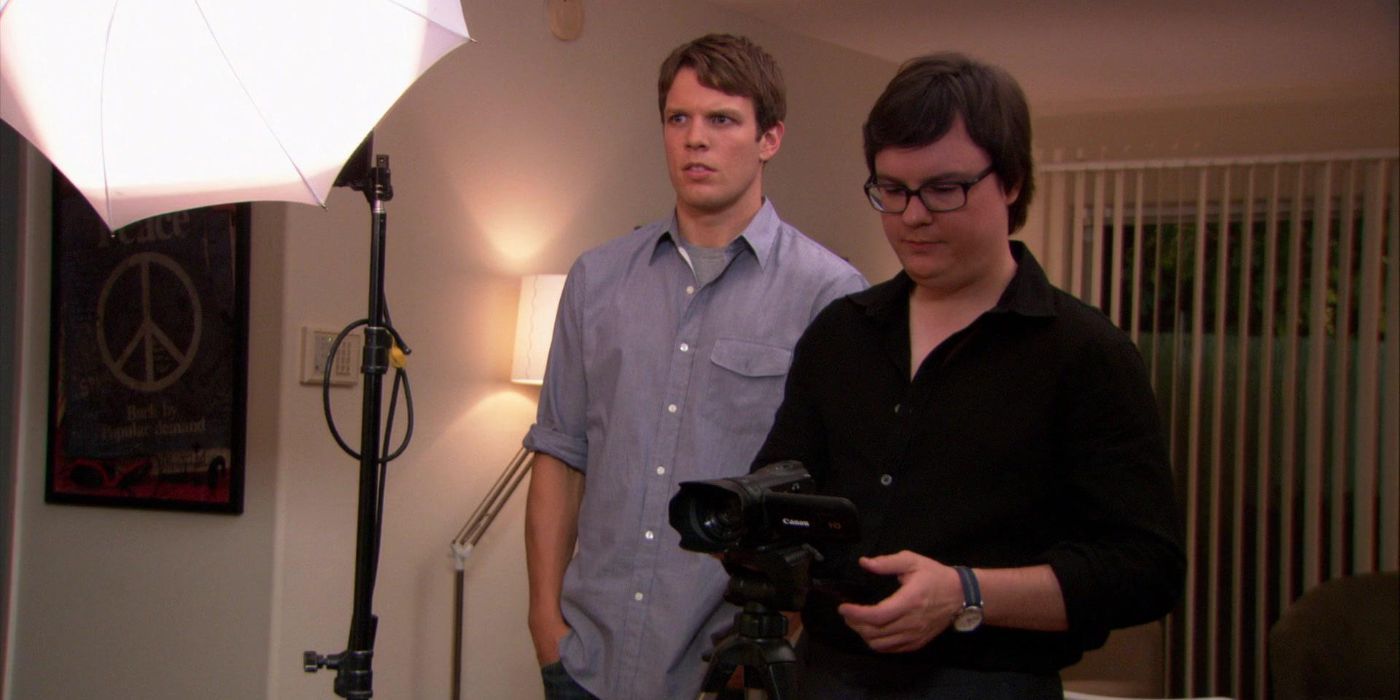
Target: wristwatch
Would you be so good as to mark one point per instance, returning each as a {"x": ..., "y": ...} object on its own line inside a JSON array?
[{"x": 970, "y": 616}]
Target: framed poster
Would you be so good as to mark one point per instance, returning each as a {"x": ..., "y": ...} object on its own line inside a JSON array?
[{"x": 148, "y": 358}]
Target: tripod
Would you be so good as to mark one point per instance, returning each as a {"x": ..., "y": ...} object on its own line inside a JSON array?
[
  {"x": 759, "y": 645},
  {"x": 763, "y": 582}
]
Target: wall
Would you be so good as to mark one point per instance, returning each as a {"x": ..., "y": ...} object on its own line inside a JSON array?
[
  {"x": 1224, "y": 126},
  {"x": 511, "y": 156}
]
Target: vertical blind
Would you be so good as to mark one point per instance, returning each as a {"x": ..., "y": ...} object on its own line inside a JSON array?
[{"x": 1263, "y": 295}]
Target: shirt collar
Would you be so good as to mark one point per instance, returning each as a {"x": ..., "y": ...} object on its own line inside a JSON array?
[
  {"x": 1029, "y": 293},
  {"x": 759, "y": 236}
]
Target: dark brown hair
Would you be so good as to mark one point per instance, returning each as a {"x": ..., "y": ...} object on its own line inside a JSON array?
[
  {"x": 733, "y": 65},
  {"x": 928, "y": 93}
]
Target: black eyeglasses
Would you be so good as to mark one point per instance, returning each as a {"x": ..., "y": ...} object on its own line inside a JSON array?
[{"x": 938, "y": 196}]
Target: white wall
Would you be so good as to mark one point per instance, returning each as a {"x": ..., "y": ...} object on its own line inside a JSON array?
[{"x": 511, "y": 156}]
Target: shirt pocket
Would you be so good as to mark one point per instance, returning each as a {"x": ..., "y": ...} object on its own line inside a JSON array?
[
  {"x": 751, "y": 359},
  {"x": 744, "y": 389}
]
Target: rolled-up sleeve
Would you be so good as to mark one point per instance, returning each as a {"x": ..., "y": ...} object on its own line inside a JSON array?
[
  {"x": 561, "y": 421},
  {"x": 1129, "y": 565}
]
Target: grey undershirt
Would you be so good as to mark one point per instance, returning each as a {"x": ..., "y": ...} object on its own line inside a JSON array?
[{"x": 709, "y": 263}]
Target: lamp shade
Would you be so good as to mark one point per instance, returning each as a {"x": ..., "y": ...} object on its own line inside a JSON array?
[{"x": 534, "y": 326}]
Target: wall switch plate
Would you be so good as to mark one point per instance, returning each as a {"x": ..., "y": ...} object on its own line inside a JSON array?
[{"x": 316, "y": 346}]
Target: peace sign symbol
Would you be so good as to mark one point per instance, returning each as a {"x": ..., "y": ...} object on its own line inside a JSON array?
[{"x": 154, "y": 370}]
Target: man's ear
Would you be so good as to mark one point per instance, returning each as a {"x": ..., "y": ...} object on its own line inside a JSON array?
[
  {"x": 770, "y": 141},
  {"x": 1012, "y": 194}
]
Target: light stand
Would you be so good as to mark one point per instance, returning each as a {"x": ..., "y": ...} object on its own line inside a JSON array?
[
  {"x": 466, "y": 540},
  {"x": 354, "y": 676}
]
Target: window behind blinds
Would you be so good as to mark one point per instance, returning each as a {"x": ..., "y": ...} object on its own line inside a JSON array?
[{"x": 1263, "y": 295}]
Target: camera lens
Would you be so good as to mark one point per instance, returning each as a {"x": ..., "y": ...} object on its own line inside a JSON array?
[{"x": 724, "y": 523}]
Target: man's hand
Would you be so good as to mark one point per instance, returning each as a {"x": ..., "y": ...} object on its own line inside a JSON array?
[{"x": 929, "y": 596}]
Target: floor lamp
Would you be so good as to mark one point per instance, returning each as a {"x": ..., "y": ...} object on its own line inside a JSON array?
[{"x": 534, "y": 329}]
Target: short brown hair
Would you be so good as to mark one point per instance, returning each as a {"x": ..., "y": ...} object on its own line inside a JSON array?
[
  {"x": 735, "y": 66},
  {"x": 926, "y": 96}
]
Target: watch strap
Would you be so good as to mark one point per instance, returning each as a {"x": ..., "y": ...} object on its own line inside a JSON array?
[{"x": 972, "y": 593}]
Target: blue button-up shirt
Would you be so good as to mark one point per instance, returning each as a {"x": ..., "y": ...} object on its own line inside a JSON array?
[{"x": 653, "y": 380}]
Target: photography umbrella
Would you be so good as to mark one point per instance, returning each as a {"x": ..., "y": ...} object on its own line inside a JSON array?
[{"x": 152, "y": 106}]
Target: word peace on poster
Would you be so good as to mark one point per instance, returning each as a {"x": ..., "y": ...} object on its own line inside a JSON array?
[{"x": 148, "y": 358}]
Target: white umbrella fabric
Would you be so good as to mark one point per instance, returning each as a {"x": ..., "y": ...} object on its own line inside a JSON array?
[{"x": 152, "y": 106}]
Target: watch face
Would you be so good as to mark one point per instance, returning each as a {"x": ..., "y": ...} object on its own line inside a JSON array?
[{"x": 969, "y": 619}]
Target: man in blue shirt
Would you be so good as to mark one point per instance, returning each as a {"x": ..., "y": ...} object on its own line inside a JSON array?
[{"x": 670, "y": 351}]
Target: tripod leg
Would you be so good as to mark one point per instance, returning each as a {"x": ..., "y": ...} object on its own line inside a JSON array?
[
  {"x": 779, "y": 679},
  {"x": 717, "y": 675}
]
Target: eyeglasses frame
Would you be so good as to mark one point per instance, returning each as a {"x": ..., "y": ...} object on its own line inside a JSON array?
[{"x": 909, "y": 194}]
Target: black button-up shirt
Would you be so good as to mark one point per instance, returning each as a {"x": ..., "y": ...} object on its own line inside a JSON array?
[{"x": 1029, "y": 437}]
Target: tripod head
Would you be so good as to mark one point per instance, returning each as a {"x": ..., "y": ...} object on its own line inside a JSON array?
[{"x": 776, "y": 577}]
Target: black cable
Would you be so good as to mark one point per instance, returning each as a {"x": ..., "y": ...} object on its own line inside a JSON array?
[
  {"x": 389, "y": 325},
  {"x": 399, "y": 375},
  {"x": 326, "y": 386},
  {"x": 400, "y": 380}
]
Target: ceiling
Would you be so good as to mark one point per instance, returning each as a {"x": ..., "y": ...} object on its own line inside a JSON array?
[{"x": 1087, "y": 54}]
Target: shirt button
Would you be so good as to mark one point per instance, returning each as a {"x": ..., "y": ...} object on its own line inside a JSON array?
[
  {"x": 672, "y": 408},
  {"x": 886, "y": 480},
  {"x": 637, "y": 596},
  {"x": 685, "y": 347},
  {"x": 896, "y": 408},
  {"x": 649, "y": 535},
  {"x": 660, "y": 471},
  {"x": 690, "y": 289}
]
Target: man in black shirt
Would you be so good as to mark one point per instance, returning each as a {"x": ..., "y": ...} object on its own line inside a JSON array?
[{"x": 999, "y": 437}]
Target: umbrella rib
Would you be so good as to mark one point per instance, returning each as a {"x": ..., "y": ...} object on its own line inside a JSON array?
[
  {"x": 423, "y": 16},
  {"x": 102, "y": 113},
  {"x": 256, "y": 107}
]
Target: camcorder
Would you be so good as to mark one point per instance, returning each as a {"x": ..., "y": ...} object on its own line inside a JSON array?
[
  {"x": 762, "y": 526},
  {"x": 772, "y": 506}
]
